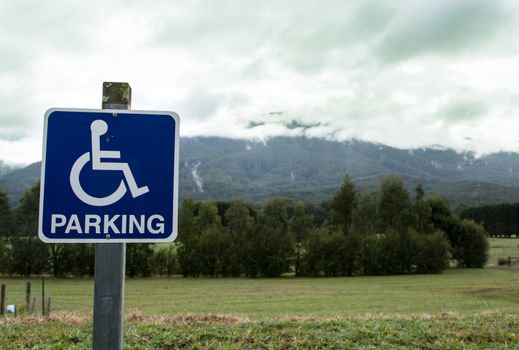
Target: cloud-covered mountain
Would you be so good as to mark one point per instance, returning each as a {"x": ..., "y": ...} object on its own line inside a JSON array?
[
  {"x": 6, "y": 167},
  {"x": 312, "y": 169}
]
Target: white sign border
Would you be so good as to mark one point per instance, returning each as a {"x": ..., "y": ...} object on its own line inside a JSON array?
[{"x": 174, "y": 227}]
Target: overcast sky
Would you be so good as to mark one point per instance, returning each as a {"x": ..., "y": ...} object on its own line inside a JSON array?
[{"x": 404, "y": 73}]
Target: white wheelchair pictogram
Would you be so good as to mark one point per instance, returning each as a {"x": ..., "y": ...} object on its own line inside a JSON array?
[{"x": 99, "y": 128}]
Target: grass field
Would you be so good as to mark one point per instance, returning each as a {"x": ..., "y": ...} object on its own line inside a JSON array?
[
  {"x": 456, "y": 290},
  {"x": 460, "y": 308},
  {"x": 502, "y": 248}
]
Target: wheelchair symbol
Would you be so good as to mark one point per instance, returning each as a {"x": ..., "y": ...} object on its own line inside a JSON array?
[{"x": 99, "y": 128}]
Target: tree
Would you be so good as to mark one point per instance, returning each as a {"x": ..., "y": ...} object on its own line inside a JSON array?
[
  {"x": 207, "y": 216},
  {"x": 138, "y": 259},
  {"x": 239, "y": 225},
  {"x": 209, "y": 243},
  {"x": 188, "y": 236},
  {"x": 422, "y": 211},
  {"x": 82, "y": 258},
  {"x": 4, "y": 256},
  {"x": 467, "y": 238},
  {"x": 59, "y": 259},
  {"x": 270, "y": 246},
  {"x": 372, "y": 251},
  {"x": 28, "y": 254},
  {"x": 164, "y": 261},
  {"x": 300, "y": 226},
  {"x": 28, "y": 211},
  {"x": 471, "y": 247},
  {"x": 440, "y": 214},
  {"x": 398, "y": 252},
  {"x": 343, "y": 204},
  {"x": 6, "y": 227},
  {"x": 432, "y": 253},
  {"x": 350, "y": 254},
  {"x": 365, "y": 213},
  {"x": 323, "y": 250},
  {"x": 209, "y": 249},
  {"x": 6, "y": 216},
  {"x": 394, "y": 206}
]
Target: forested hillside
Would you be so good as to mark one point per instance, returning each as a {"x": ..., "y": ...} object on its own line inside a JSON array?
[{"x": 311, "y": 169}]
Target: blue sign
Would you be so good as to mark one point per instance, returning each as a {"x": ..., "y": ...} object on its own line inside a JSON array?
[{"x": 109, "y": 176}]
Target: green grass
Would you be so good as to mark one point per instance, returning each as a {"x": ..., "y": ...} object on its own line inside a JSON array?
[
  {"x": 502, "y": 248},
  {"x": 490, "y": 331},
  {"x": 456, "y": 290},
  {"x": 459, "y": 309}
]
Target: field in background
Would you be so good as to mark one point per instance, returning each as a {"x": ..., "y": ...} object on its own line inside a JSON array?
[
  {"x": 460, "y": 309},
  {"x": 502, "y": 248},
  {"x": 456, "y": 290}
]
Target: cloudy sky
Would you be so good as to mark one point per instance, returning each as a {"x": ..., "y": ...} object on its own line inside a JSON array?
[{"x": 407, "y": 73}]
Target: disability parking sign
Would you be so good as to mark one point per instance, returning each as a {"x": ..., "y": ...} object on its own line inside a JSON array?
[{"x": 109, "y": 176}]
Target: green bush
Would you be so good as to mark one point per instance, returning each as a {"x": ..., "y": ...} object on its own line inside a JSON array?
[
  {"x": 351, "y": 253},
  {"x": 164, "y": 261},
  {"x": 502, "y": 261},
  {"x": 322, "y": 252},
  {"x": 28, "y": 256},
  {"x": 372, "y": 251},
  {"x": 471, "y": 244},
  {"x": 398, "y": 252},
  {"x": 138, "y": 259},
  {"x": 432, "y": 254},
  {"x": 328, "y": 253}
]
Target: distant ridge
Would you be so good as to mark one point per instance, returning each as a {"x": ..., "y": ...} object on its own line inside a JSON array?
[
  {"x": 302, "y": 168},
  {"x": 7, "y": 168}
]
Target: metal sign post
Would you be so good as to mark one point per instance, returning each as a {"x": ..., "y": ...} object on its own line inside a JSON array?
[{"x": 110, "y": 259}]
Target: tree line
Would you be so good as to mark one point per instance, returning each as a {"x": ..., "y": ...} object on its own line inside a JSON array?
[
  {"x": 499, "y": 220},
  {"x": 354, "y": 233}
]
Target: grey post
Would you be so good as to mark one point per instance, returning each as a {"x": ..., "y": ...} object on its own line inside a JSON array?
[
  {"x": 42, "y": 295},
  {"x": 110, "y": 259},
  {"x": 2, "y": 299},
  {"x": 27, "y": 297}
]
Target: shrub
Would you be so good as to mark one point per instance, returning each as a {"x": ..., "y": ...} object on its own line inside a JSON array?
[
  {"x": 432, "y": 252},
  {"x": 372, "y": 251},
  {"x": 471, "y": 245},
  {"x": 502, "y": 261},
  {"x": 398, "y": 252},
  {"x": 164, "y": 261},
  {"x": 351, "y": 252},
  {"x": 322, "y": 252}
]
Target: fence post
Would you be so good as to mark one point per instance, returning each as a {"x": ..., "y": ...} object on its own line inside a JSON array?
[
  {"x": 2, "y": 299},
  {"x": 27, "y": 296},
  {"x": 42, "y": 295},
  {"x": 31, "y": 310},
  {"x": 48, "y": 307}
]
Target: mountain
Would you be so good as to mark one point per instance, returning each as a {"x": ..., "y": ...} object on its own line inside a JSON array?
[
  {"x": 16, "y": 182},
  {"x": 312, "y": 169},
  {"x": 6, "y": 168}
]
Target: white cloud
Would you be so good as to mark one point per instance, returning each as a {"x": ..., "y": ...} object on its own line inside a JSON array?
[{"x": 407, "y": 73}]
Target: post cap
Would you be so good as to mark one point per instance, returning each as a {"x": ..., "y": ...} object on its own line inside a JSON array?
[{"x": 116, "y": 95}]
